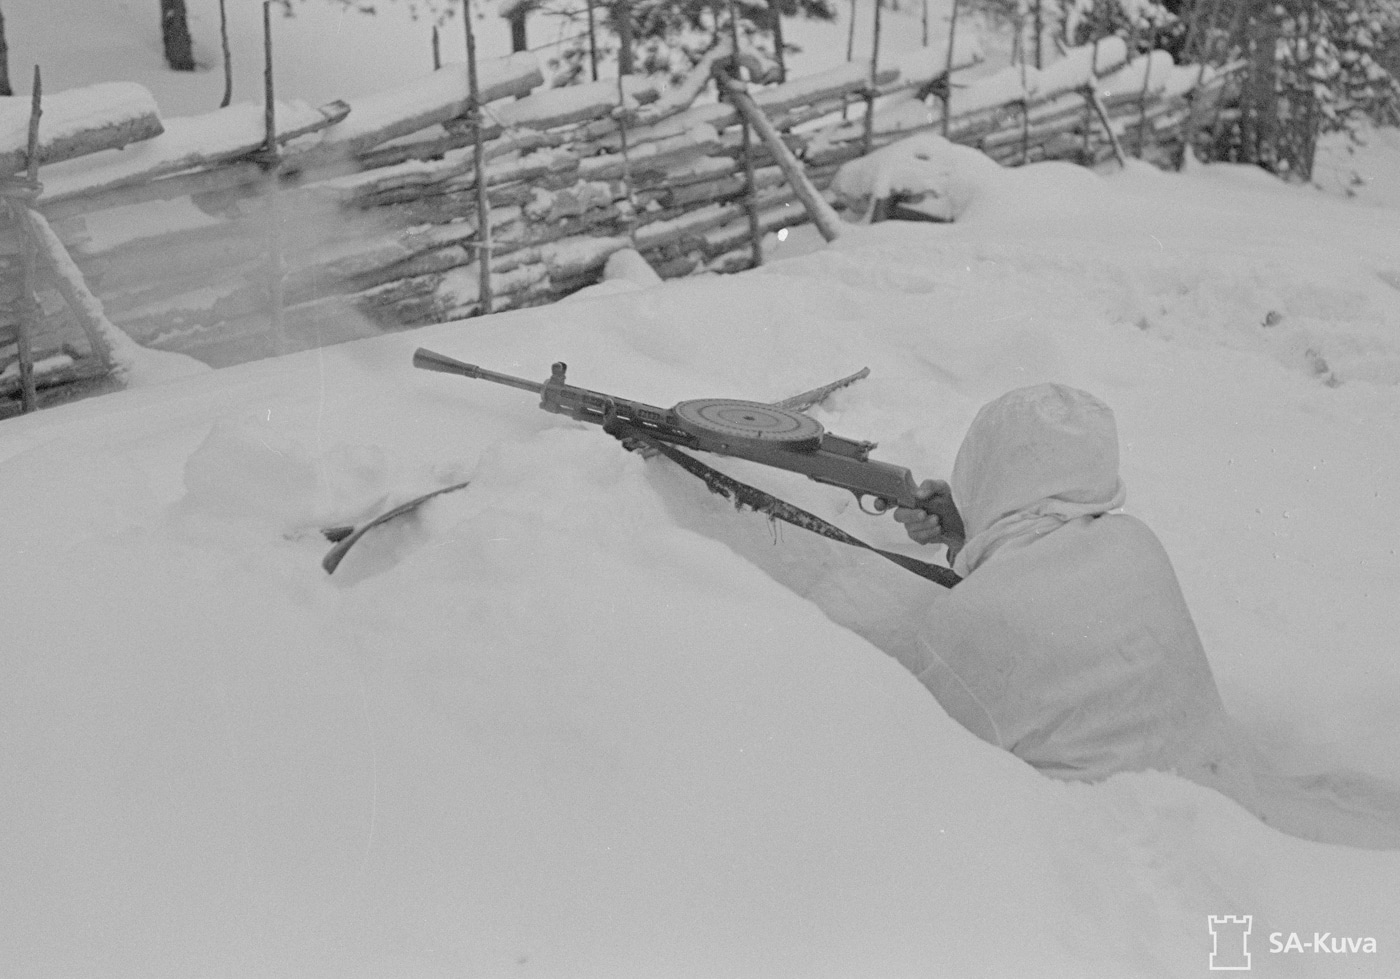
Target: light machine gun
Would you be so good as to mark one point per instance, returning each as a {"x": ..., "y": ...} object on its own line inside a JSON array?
[{"x": 764, "y": 433}]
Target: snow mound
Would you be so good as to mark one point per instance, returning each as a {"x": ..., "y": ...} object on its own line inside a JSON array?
[
  {"x": 251, "y": 470},
  {"x": 919, "y": 168},
  {"x": 625, "y": 271}
]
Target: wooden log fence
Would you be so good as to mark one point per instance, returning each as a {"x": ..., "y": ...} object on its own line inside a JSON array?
[{"x": 380, "y": 204}]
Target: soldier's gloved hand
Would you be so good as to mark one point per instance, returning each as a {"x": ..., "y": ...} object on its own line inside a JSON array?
[{"x": 938, "y": 522}]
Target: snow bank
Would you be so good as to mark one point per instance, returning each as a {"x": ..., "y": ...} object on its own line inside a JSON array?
[
  {"x": 625, "y": 271},
  {"x": 564, "y": 721}
]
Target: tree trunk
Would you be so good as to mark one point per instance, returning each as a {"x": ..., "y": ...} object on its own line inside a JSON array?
[
  {"x": 1039, "y": 36},
  {"x": 228, "y": 58},
  {"x": 1311, "y": 117},
  {"x": 1260, "y": 122},
  {"x": 592, "y": 44},
  {"x": 518, "y": 40},
  {"x": 778, "y": 43},
  {"x": 175, "y": 35},
  {"x": 5, "y": 88},
  {"x": 622, "y": 13}
]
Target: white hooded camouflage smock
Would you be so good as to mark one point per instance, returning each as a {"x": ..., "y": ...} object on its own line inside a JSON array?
[{"x": 1069, "y": 642}]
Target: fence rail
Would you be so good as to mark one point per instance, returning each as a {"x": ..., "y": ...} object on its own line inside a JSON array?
[{"x": 375, "y": 214}]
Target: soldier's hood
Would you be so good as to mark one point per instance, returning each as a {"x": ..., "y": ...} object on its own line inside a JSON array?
[{"x": 1045, "y": 451}]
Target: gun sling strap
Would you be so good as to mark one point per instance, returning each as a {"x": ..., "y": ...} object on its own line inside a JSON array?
[{"x": 744, "y": 495}]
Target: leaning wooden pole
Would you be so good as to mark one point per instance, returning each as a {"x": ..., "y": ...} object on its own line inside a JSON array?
[
  {"x": 483, "y": 201},
  {"x": 821, "y": 213},
  {"x": 28, "y": 323},
  {"x": 67, "y": 278},
  {"x": 37, "y": 240},
  {"x": 1092, "y": 97}
]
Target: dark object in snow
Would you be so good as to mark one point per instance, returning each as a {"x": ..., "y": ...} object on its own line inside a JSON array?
[
  {"x": 345, "y": 537},
  {"x": 769, "y": 434},
  {"x": 911, "y": 207}
]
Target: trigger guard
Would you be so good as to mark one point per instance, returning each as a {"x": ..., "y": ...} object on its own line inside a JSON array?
[{"x": 876, "y": 510}]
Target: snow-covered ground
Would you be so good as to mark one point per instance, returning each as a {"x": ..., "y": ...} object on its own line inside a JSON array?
[{"x": 557, "y": 725}]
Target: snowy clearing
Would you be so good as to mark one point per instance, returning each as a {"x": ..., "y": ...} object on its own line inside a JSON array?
[
  {"x": 548, "y": 725},
  {"x": 558, "y": 724}
]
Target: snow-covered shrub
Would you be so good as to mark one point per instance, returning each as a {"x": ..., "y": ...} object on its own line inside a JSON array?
[
  {"x": 1145, "y": 24},
  {"x": 1324, "y": 67},
  {"x": 668, "y": 36}
]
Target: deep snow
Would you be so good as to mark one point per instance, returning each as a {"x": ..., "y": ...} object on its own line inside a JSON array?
[{"x": 556, "y": 725}]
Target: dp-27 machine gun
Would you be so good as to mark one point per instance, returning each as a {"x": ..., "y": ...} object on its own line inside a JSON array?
[{"x": 769, "y": 434}]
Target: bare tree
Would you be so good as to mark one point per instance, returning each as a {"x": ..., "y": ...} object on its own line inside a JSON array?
[
  {"x": 175, "y": 35},
  {"x": 228, "y": 58},
  {"x": 5, "y": 88}
]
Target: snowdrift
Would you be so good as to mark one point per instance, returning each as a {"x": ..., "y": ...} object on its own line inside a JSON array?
[{"x": 553, "y": 725}]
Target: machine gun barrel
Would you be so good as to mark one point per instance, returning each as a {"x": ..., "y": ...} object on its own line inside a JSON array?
[{"x": 431, "y": 360}]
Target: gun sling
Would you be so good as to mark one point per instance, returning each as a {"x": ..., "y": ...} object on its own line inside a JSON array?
[{"x": 744, "y": 495}]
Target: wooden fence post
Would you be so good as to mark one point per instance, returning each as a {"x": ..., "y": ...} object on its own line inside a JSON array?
[
  {"x": 731, "y": 85},
  {"x": 276, "y": 260},
  {"x": 869, "y": 137},
  {"x": 850, "y": 52},
  {"x": 1142, "y": 95},
  {"x": 483, "y": 200},
  {"x": 1092, "y": 97},
  {"x": 948, "y": 70},
  {"x": 627, "y": 185},
  {"x": 1025, "y": 131}
]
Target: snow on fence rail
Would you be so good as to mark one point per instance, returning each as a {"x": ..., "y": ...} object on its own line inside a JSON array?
[{"x": 375, "y": 214}]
